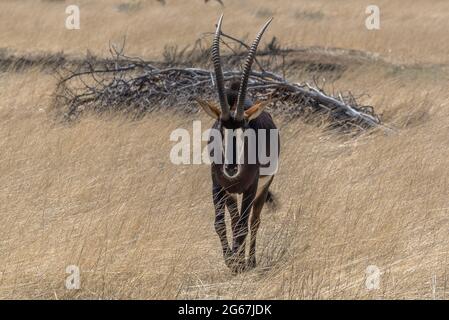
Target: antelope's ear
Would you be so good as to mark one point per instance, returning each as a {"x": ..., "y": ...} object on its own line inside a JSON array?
[
  {"x": 255, "y": 110},
  {"x": 211, "y": 108}
]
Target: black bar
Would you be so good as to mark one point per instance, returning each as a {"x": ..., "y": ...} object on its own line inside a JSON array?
[{"x": 223, "y": 309}]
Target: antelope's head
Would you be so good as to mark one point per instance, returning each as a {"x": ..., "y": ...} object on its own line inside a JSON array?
[{"x": 233, "y": 120}]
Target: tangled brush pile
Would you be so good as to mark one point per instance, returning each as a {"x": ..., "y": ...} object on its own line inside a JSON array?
[{"x": 134, "y": 86}]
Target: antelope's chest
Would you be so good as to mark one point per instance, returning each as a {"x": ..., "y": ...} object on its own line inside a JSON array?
[{"x": 264, "y": 181}]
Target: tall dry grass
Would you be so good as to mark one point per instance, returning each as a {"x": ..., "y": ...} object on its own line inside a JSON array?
[
  {"x": 411, "y": 31},
  {"x": 102, "y": 194}
]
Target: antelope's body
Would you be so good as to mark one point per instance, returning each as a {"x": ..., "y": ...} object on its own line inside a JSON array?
[{"x": 237, "y": 113}]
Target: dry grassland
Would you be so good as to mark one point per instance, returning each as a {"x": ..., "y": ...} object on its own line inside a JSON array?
[{"x": 102, "y": 194}]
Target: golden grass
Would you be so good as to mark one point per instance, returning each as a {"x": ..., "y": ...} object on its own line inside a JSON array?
[
  {"x": 103, "y": 195},
  {"x": 411, "y": 31}
]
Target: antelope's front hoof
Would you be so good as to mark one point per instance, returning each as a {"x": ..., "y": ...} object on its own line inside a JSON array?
[
  {"x": 227, "y": 254},
  {"x": 251, "y": 263},
  {"x": 236, "y": 264},
  {"x": 229, "y": 260},
  {"x": 238, "y": 268}
]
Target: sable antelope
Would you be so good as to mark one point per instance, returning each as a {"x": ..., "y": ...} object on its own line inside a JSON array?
[{"x": 238, "y": 113}]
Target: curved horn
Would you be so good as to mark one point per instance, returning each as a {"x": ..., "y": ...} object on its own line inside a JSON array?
[
  {"x": 247, "y": 69},
  {"x": 218, "y": 72}
]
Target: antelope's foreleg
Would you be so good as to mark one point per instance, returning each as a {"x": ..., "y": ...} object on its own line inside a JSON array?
[
  {"x": 254, "y": 222},
  {"x": 219, "y": 197},
  {"x": 231, "y": 204},
  {"x": 241, "y": 228}
]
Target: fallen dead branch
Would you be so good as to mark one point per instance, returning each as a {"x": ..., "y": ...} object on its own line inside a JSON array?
[{"x": 134, "y": 86}]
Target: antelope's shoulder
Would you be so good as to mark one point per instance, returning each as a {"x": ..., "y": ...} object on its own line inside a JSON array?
[{"x": 263, "y": 121}]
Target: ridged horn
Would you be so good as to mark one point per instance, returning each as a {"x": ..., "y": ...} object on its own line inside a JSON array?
[
  {"x": 219, "y": 79},
  {"x": 247, "y": 69}
]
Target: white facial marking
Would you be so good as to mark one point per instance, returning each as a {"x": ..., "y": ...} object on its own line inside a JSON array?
[{"x": 228, "y": 147}]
